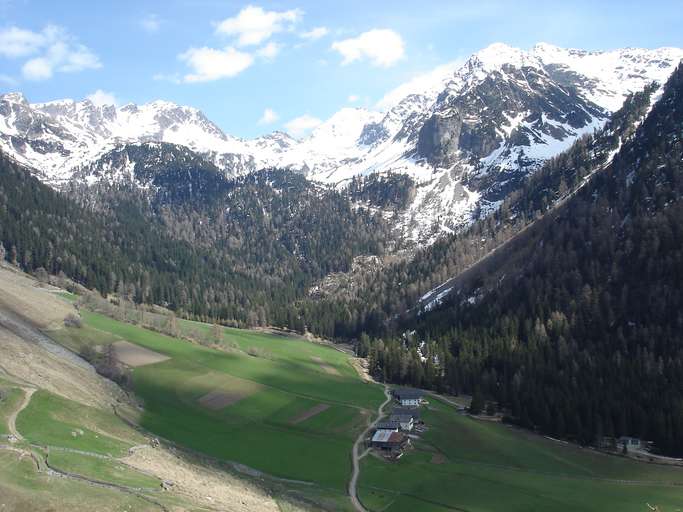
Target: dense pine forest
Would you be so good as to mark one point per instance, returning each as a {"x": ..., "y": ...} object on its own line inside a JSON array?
[
  {"x": 240, "y": 251},
  {"x": 578, "y": 333}
]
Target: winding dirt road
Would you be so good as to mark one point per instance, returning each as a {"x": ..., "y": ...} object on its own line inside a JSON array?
[
  {"x": 356, "y": 457},
  {"x": 12, "y": 420}
]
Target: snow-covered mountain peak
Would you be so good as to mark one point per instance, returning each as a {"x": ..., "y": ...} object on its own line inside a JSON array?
[
  {"x": 342, "y": 130},
  {"x": 465, "y": 132},
  {"x": 13, "y": 97},
  {"x": 498, "y": 55},
  {"x": 607, "y": 77}
]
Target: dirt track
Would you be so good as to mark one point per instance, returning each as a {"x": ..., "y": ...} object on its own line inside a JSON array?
[
  {"x": 12, "y": 420},
  {"x": 356, "y": 457}
]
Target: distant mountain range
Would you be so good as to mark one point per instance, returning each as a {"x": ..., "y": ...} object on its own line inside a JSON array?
[{"x": 466, "y": 139}]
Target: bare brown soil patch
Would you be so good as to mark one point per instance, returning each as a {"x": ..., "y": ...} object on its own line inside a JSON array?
[
  {"x": 325, "y": 367},
  {"x": 361, "y": 366},
  {"x": 30, "y": 299},
  {"x": 439, "y": 458},
  {"x": 313, "y": 411},
  {"x": 219, "y": 399},
  {"x": 135, "y": 355}
]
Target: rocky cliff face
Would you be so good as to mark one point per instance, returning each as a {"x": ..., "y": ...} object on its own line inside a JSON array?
[{"x": 466, "y": 138}]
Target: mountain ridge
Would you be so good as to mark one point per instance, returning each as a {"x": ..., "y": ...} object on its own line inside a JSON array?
[{"x": 465, "y": 155}]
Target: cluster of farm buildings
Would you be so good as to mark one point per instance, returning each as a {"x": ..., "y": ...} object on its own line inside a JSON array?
[{"x": 392, "y": 435}]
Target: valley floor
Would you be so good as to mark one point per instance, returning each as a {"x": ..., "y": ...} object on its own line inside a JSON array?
[{"x": 264, "y": 421}]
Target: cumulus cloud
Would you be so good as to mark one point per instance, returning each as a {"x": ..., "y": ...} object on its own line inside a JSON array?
[
  {"x": 17, "y": 42},
  {"x": 253, "y": 25},
  {"x": 269, "y": 51},
  {"x": 209, "y": 64},
  {"x": 51, "y": 50},
  {"x": 382, "y": 47},
  {"x": 353, "y": 98},
  {"x": 300, "y": 126},
  {"x": 424, "y": 82},
  {"x": 101, "y": 98},
  {"x": 315, "y": 33},
  {"x": 151, "y": 23},
  {"x": 269, "y": 116}
]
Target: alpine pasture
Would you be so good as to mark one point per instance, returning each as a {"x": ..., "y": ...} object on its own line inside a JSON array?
[{"x": 291, "y": 409}]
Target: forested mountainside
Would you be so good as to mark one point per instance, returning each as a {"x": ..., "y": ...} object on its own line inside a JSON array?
[
  {"x": 578, "y": 332},
  {"x": 421, "y": 281},
  {"x": 240, "y": 250}
]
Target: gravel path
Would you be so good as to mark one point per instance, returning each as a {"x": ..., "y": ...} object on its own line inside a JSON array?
[{"x": 353, "y": 490}]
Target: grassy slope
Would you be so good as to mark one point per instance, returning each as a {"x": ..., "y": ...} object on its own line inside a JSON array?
[
  {"x": 491, "y": 467},
  {"x": 106, "y": 470},
  {"x": 55, "y": 421},
  {"x": 257, "y": 430},
  {"x": 11, "y": 398},
  {"x": 22, "y": 489}
]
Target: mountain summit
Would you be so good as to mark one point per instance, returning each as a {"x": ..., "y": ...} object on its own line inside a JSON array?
[{"x": 467, "y": 138}]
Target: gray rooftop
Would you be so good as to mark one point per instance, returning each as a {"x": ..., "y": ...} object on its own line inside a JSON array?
[{"x": 408, "y": 393}]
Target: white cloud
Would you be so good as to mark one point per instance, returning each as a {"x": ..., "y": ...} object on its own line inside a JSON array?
[
  {"x": 253, "y": 25},
  {"x": 211, "y": 64},
  {"x": 383, "y": 47},
  {"x": 425, "y": 82},
  {"x": 151, "y": 23},
  {"x": 17, "y": 42},
  {"x": 101, "y": 98},
  {"x": 73, "y": 59},
  {"x": 52, "y": 50},
  {"x": 353, "y": 98},
  {"x": 301, "y": 125},
  {"x": 269, "y": 51},
  {"x": 269, "y": 116},
  {"x": 37, "y": 69},
  {"x": 315, "y": 33}
]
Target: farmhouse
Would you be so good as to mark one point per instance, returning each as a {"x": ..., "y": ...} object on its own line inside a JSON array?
[
  {"x": 405, "y": 421},
  {"x": 389, "y": 440},
  {"x": 408, "y": 397}
]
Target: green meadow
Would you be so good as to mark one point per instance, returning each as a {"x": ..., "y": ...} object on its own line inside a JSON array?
[
  {"x": 265, "y": 425},
  {"x": 471, "y": 465},
  {"x": 23, "y": 489},
  {"x": 269, "y": 383},
  {"x": 50, "y": 420}
]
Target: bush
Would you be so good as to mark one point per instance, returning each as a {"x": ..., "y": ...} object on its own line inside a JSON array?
[{"x": 73, "y": 320}]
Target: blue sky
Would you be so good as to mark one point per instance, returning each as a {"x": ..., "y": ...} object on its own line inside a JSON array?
[{"x": 254, "y": 67}]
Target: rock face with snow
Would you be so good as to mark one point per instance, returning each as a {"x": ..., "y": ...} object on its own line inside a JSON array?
[{"x": 466, "y": 137}]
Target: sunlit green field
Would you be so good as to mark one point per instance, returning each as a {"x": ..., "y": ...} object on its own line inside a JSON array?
[
  {"x": 466, "y": 464},
  {"x": 265, "y": 428},
  {"x": 274, "y": 380}
]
